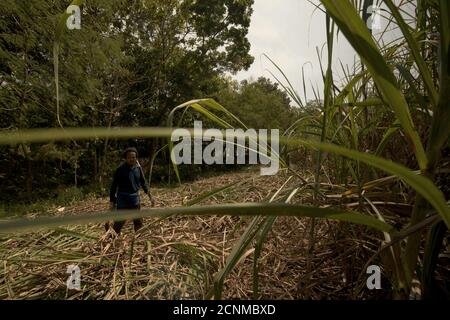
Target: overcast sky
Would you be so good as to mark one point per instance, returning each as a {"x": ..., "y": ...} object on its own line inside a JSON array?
[{"x": 289, "y": 31}]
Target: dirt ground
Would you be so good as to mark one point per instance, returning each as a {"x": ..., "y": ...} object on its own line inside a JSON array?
[{"x": 178, "y": 257}]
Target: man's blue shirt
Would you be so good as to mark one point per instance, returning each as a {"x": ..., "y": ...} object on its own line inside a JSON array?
[{"x": 127, "y": 180}]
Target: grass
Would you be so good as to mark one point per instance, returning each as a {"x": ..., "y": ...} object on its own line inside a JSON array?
[{"x": 65, "y": 197}]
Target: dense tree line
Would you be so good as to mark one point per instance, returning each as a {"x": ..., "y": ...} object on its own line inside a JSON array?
[{"x": 129, "y": 65}]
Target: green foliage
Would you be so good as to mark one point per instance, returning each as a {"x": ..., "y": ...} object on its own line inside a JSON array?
[
  {"x": 258, "y": 104},
  {"x": 129, "y": 65},
  {"x": 61, "y": 197}
]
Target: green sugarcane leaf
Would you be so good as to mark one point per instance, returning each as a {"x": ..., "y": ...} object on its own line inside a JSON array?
[{"x": 353, "y": 27}]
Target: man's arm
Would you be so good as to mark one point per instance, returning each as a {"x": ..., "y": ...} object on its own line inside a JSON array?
[
  {"x": 142, "y": 181},
  {"x": 145, "y": 185},
  {"x": 114, "y": 185}
]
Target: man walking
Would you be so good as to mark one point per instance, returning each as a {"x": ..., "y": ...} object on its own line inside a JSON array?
[{"x": 124, "y": 193}]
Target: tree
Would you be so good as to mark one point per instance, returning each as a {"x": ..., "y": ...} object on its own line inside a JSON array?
[
  {"x": 179, "y": 46},
  {"x": 129, "y": 65},
  {"x": 259, "y": 104}
]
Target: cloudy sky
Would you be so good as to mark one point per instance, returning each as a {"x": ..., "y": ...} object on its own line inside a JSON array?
[{"x": 289, "y": 31}]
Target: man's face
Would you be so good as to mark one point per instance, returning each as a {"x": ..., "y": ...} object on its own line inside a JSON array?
[{"x": 131, "y": 158}]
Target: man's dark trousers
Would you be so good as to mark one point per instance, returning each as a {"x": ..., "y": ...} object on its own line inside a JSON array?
[{"x": 128, "y": 201}]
